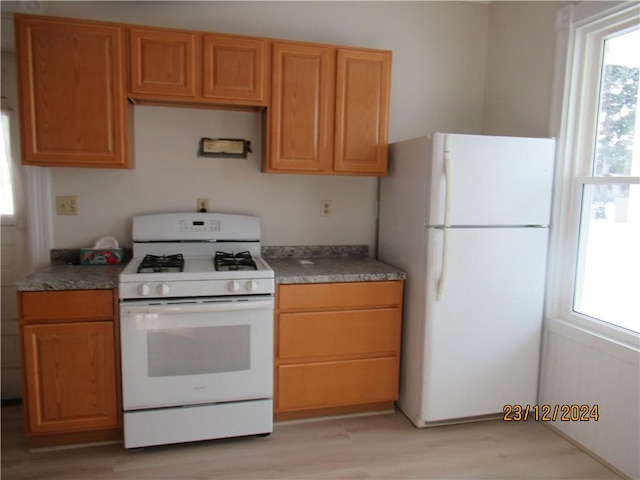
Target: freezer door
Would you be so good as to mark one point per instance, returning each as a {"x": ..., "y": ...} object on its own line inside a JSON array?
[
  {"x": 490, "y": 180},
  {"x": 483, "y": 335}
]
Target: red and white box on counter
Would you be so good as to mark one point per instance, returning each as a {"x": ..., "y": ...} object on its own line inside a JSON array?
[
  {"x": 101, "y": 256},
  {"x": 106, "y": 251}
]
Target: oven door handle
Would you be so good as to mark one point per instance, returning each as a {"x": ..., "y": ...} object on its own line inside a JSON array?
[{"x": 180, "y": 308}]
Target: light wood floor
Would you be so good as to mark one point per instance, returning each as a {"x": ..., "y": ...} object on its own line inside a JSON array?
[{"x": 382, "y": 446}]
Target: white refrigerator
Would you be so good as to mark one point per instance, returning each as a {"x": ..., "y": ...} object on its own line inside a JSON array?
[{"x": 467, "y": 217}]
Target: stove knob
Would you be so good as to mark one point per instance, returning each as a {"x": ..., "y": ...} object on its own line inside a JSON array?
[
  {"x": 252, "y": 285},
  {"x": 144, "y": 289},
  {"x": 234, "y": 286},
  {"x": 163, "y": 289}
]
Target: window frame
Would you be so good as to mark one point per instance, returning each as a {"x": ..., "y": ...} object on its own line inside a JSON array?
[
  {"x": 581, "y": 30},
  {"x": 14, "y": 218}
]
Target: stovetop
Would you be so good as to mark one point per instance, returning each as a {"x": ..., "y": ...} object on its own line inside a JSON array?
[
  {"x": 179, "y": 252},
  {"x": 195, "y": 268}
]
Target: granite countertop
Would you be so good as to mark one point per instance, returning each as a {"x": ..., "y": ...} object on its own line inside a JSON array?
[
  {"x": 331, "y": 264},
  {"x": 306, "y": 264},
  {"x": 72, "y": 277}
]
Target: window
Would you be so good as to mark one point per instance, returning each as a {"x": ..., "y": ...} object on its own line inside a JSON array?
[
  {"x": 608, "y": 267},
  {"x": 595, "y": 250},
  {"x": 7, "y": 205}
]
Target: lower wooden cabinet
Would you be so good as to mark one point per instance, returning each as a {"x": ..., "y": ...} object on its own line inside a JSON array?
[
  {"x": 70, "y": 366},
  {"x": 337, "y": 383},
  {"x": 337, "y": 348}
]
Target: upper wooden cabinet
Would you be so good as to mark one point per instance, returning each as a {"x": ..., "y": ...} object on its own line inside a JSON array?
[
  {"x": 329, "y": 110},
  {"x": 187, "y": 67},
  {"x": 300, "y": 119},
  {"x": 73, "y": 106},
  {"x": 234, "y": 69},
  {"x": 162, "y": 62},
  {"x": 363, "y": 80},
  {"x": 327, "y": 106}
]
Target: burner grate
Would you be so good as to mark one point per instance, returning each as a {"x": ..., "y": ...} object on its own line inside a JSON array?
[
  {"x": 161, "y": 263},
  {"x": 234, "y": 261}
]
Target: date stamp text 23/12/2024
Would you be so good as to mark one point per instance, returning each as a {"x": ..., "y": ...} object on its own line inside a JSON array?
[{"x": 550, "y": 413}]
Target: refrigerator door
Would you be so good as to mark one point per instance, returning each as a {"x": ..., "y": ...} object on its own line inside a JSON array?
[
  {"x": 482, "y": 338},
  {"x": 490, "y": 180}
]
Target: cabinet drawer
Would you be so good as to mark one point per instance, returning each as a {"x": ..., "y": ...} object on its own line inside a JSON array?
[
  {"x": 67, "y": 305},
  {"x": 316, "y": 334},
  {"x": 329, "y": 384},
  {"x": 339, "y": 295}
]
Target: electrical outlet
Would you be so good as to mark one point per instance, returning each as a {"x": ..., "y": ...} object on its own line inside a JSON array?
[
  {"x": 67, "y": 205},
  {"x": 325, "y": 208},
  {"x": 203, "y": 205}
]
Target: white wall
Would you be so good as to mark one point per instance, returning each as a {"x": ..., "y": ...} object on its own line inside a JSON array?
[
  {"x": 439, "y": 50},
  {"x": 519, "y": 68},
  {"x": 169, "y": 177}
]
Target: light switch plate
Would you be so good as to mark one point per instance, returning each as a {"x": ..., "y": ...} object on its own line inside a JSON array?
[{"x": 67, "y": 205}]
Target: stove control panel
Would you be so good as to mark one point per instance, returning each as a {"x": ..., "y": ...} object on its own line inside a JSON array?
[
  {"x": 196, "y": 288},
  {"x": 199, "y": 226},
  {"x": 162, "y": 289}
]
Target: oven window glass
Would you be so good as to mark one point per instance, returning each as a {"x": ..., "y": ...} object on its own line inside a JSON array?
[{"x": 198, "y": 350}]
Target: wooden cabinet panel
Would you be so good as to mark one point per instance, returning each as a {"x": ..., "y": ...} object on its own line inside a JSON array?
[
  {"x": 300, "y": 120},
  {"x": 162, "y": 62},
  {"x": 234, "y": 68},
  {"x": 337, "y": 347},
  {"x": 329, "y": 110},
  {"x": 339, "y": 295},
  {"x": 362, "y": 111},
  {"x": 316, "y": 334},
  {"x": 183, "y": 67},
  {"x": 70, "y": 375},
  {"x": 73, "y": 108},
  {"x": 67, "y": 305},
  {"x": 320, "y": 385},
  {"x": 70, "y": 366}
]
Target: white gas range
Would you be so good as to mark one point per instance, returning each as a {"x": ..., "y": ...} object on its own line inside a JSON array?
[{"x": 196, "y": 323}]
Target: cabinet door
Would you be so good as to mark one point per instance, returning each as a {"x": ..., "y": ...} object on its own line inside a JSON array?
[
  {"x": 72, "y": 93},
  {"x": 362, "y": 111},
  {"x": 300, "y": 125},
  {"x": 234, "y": 69},
  {"x": 162, "y": 62},
  {"x": 70, "y": 377}
]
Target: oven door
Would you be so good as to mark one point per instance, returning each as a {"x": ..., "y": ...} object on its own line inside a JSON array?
[{"x": 198, "y": 351}]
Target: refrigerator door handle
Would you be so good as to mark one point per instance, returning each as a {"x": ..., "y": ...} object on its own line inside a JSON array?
[
  {"x": 445, "y": 261},
  {"x": 447, "y": 219},
  {"x": 447, "y": 180}
]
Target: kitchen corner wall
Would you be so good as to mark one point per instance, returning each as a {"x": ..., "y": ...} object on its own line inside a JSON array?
[
  {"x": 519, "y": 68},
  {"x": 439, "y": 49}
]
